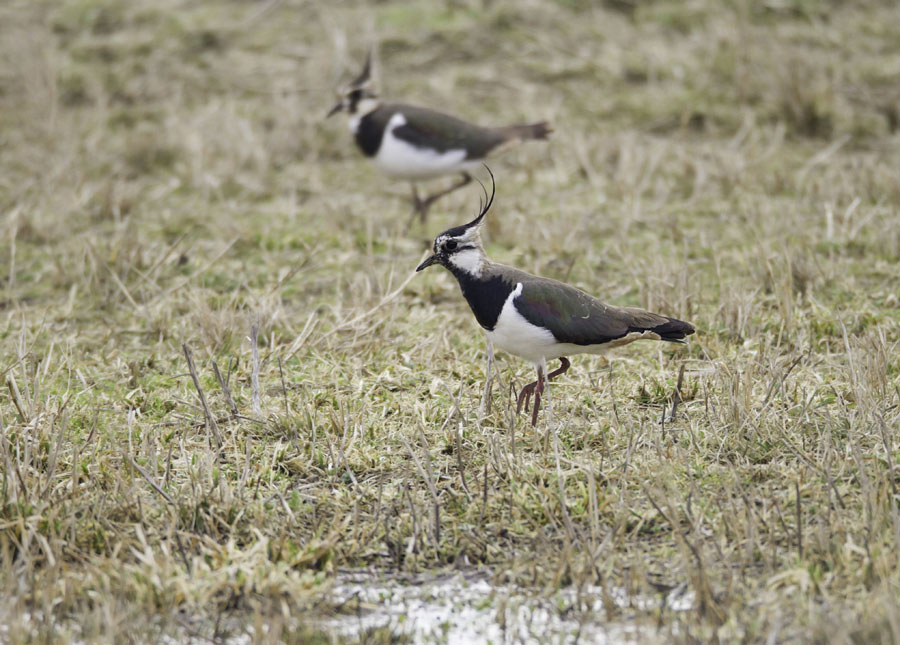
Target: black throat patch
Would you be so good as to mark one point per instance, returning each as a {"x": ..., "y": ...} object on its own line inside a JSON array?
[
  {"x": 486, "y": 296},
  {"x": 370, "y": 132}
]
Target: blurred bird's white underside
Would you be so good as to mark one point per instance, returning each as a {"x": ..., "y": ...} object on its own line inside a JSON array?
[{"x": 402, "y": 160}]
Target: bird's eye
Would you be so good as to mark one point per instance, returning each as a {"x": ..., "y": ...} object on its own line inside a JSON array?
[{"x": 450, "y": 245}]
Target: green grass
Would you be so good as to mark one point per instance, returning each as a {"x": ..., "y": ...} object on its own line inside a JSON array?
[{"x": 167, "y": 178}]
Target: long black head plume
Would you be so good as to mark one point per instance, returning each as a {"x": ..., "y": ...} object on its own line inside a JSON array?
[
  {"x": 366, "y": 75},
  {"x": 486, "y": 204}
]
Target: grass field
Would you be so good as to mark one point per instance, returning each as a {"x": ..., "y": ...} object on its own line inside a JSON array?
[{"x": 168, "y": 182}]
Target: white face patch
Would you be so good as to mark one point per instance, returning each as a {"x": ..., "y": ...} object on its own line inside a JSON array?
[{"x": 469, "y": 260}]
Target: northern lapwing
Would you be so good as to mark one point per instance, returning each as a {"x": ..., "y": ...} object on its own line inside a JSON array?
[
  {"x": 536, "y": 318},
  {"x": 415, "y": 143}
]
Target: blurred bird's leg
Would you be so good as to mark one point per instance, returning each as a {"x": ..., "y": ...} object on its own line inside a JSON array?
[
  {"x": 421, "y": 206},
  {"x": 417, "y": 205}
]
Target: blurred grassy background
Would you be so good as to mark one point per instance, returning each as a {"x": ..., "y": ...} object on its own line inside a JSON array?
[{"x": 167, "y": 178}]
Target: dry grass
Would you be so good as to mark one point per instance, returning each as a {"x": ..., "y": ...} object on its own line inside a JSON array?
[{"x": 166, "y": 178}]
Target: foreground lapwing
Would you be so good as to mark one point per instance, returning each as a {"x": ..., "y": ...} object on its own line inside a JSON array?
[
  {"x": 414, "y": 143},
  {"x": 536, "y": 318}
]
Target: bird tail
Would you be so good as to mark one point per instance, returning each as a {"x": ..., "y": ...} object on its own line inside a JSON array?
[
  {"x": 527, "y": 131},
  {"x": 673, "y": 330}
]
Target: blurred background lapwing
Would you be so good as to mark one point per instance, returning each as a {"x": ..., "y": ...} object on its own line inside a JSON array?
[
  {"x": 539, "y": 319},
  {"x": 414, "y": 143}
]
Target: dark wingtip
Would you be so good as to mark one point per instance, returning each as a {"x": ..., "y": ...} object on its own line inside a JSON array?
[
  {"x": 527, "y": 131},
  {"x": 674, "y": 330},
  {"x": 541, "y": 130}
]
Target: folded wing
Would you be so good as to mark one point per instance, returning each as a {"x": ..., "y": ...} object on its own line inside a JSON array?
[
  {"x": 575, "y": 317},
  {"x": 442, "y": 132}
]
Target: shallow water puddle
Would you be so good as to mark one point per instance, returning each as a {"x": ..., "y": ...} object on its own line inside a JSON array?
[{"x": 466, "y": 608}]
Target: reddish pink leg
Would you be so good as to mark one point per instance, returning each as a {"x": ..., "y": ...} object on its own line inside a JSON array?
[{"x": 537, "y": 388}]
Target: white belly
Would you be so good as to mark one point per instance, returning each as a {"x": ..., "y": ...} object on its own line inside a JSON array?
[
  {"x": 399, "y": 159},
  {"x": 515, "y": 335}
]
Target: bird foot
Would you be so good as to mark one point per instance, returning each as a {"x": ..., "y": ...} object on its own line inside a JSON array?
[
  {"x": 536, "y": 388},
  {"x": 525, "y": 396}
]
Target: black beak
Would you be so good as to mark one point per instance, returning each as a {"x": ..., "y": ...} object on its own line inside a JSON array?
[
  {"x": 337, "y": 108},
  {"x": 427, "y": 263}
]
